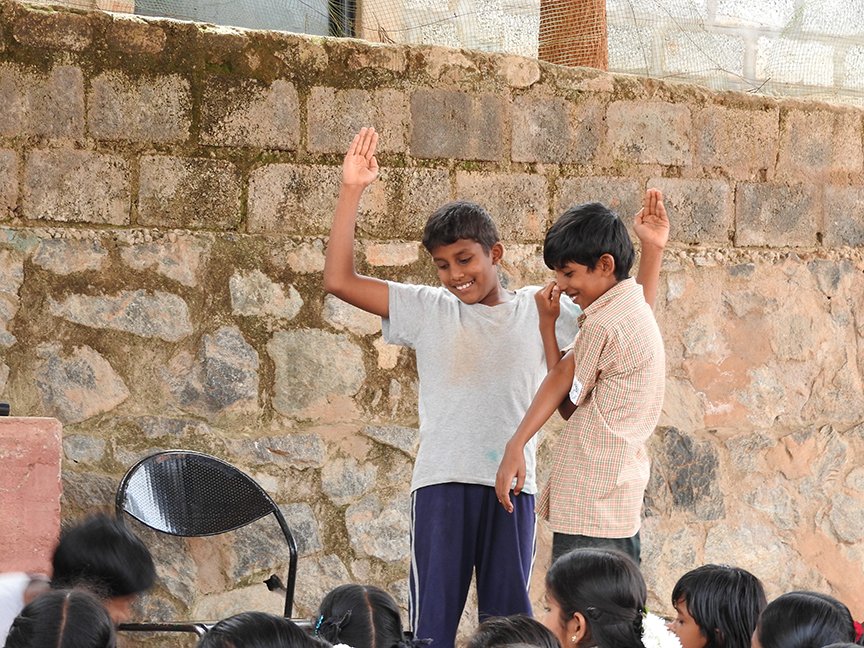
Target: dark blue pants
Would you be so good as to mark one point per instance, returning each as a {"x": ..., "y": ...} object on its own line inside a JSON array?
[{"x": 455, "y": 530}]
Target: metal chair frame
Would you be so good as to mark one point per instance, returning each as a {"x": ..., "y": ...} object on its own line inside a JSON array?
[{"x": 160, "y": 492}]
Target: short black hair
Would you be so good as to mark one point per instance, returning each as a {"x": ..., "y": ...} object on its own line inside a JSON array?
[
  {"x": 511, "y": 631},
  {"x": 460, "y": 220},
  {"x": 361, "y": 616},
  {"x": 804, "y": 619},
  {"x": 606, "y": 587},
  {"x": 102, "y": 554},
  {"x": 725, "y": 602},
  {"x": 258, "y": 630},
  {"x": 583, "y": 234},
  {"x": 62, "y": 619}
]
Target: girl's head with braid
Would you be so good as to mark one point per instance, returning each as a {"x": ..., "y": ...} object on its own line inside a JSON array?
[
  {"x": 595, "y": 597},
  {"x": 361, "y": 616},
  {"x": 63, "y": 619},
  {"x": 258, "y": 630}
]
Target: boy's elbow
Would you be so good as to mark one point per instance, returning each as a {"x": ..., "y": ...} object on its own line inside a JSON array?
[
  {"x": 331, "y": 286},
  {"x": 337, "y": 285}
]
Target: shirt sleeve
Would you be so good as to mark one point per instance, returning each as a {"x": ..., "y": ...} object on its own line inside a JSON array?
[
  {"x": 588, "y": 352},
  {"x": 409, "y": 306}
]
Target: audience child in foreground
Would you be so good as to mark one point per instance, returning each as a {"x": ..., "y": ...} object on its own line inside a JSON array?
[
  {"x": 717, "y": 606},
  {"x": 596, "y": 597},
  {"x": 362, "y": 616},
  {"x": 258, "y": 630},
  {"x": 481, "y": 354},
  {"x": 803, "y": 620},
  {"x": 98, "y": 553},
  {"x": 517, "y": 630},
  {"x": 62, "y": 619},
  {"x": 610, "y": 384},
  {"x": 103, "y": 555}
]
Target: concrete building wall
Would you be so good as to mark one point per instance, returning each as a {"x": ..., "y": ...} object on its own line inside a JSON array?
[
  {"x": 166, "y": 191},
  {"x": 508, "y": 26},
  {"x": 807, "y": 48}
]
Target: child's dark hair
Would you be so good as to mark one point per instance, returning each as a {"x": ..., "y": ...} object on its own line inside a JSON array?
[
  {"x": 258, "y": 630},
  {"x": 804, "y": 619},
  {"x": 725, "y": 602},
  {"x": 583, "y": 234},
  {"x": 63, "y": 619},
  {"x": 361, "y": 616},
  {"x": 460, "y": 220},
  {"x": 518, "y": 630},
  {"x": 102, "y": 554},
  {"x": 605, "y": 587}
]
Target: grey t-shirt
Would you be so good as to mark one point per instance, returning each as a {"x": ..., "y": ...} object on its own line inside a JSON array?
[{"x": 479, "y": 368}]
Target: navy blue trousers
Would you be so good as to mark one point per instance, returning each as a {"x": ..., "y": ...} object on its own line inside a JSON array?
[{"x": 455, "y": 530}]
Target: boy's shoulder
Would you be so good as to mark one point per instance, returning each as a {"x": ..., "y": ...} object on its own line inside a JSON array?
[{"x": 619, "y": 310}]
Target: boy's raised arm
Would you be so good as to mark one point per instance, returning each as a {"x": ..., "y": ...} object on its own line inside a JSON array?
[
  {"x": 652, "y": 228},
  {"x": 359, "y": 170},
  {"x": 551, "y": 392}
]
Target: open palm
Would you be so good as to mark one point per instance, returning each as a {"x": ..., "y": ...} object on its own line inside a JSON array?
[
  {"x": 651, "y": 223},
  {"x": 360, "y": 168}
]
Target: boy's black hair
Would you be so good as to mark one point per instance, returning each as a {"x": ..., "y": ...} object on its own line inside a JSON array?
[
  {"x": 508, "y": 632},
  {"x": 606, "y": 587},
  {"x": 258, "y": 630},
  {"x": 583, "y": 234},
  {"x": 361, "y": 616},
  {"x": 102, "y": 554},
  {"x": 805, "y": 619},
  {"x": 725, "y": 602},
  {"x": 460, "y": 220},
  {"x": 62, "y": 619}
]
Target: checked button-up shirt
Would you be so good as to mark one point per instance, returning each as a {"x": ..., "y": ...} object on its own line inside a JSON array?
[{"x": 600, "y": 464}]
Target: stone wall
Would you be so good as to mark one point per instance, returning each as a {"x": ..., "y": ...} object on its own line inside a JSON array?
[{"x": 165, "y": 194}]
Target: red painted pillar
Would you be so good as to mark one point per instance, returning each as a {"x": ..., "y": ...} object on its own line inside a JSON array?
[
  {"x": 573, "y": 32},
  {"x": 30, "y": 487}
]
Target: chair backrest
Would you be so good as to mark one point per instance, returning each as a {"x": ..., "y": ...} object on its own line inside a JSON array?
[{"x": 191, "y": 494}]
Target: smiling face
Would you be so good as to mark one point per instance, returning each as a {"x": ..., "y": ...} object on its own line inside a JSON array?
[
  {"x": 469, "y": 272},
  {"x": 584, "y": 286},
  {"x": 685, "y": 626}
]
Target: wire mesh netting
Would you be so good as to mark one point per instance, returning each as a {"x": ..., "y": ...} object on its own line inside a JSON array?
[{"x": 812, "y": 48}]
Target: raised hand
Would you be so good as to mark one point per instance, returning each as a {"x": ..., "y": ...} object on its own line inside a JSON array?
[
  {"x": 651, "y": 223},
  {"x": 360, "y": 168}
]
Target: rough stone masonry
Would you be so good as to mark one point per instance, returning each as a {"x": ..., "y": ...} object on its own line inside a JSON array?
[{"x": 165, "y": 194}]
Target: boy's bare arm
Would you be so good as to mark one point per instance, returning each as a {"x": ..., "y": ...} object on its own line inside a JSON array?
[
  {"x": 548, "y": 310},
  {"x": 359, "y": 170},
  {"x": 548, "y": 301},
  {"x": 652, "y": 228},
  {"x": 549, "y": 396}
]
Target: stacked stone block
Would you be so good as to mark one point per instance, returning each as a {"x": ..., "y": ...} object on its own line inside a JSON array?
[{"x": 165, "y": 194}]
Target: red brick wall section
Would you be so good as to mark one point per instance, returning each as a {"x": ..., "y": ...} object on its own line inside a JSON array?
[{"x": 30, "y": 450}]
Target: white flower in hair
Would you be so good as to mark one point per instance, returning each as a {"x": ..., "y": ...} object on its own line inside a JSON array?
[
  {"x": 341, "y": 646},
  {"x": 655, "y": 634}
]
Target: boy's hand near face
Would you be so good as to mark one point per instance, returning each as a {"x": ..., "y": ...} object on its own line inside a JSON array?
[
  {"x": 360, "y": 168},
  {"x": 548, "y": 304}
]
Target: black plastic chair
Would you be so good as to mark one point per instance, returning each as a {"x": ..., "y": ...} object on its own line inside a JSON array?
[{"x": 191, "y": 494}]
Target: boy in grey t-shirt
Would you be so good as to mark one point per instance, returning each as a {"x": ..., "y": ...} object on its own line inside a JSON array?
[{"x": 482, "y": 351}]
